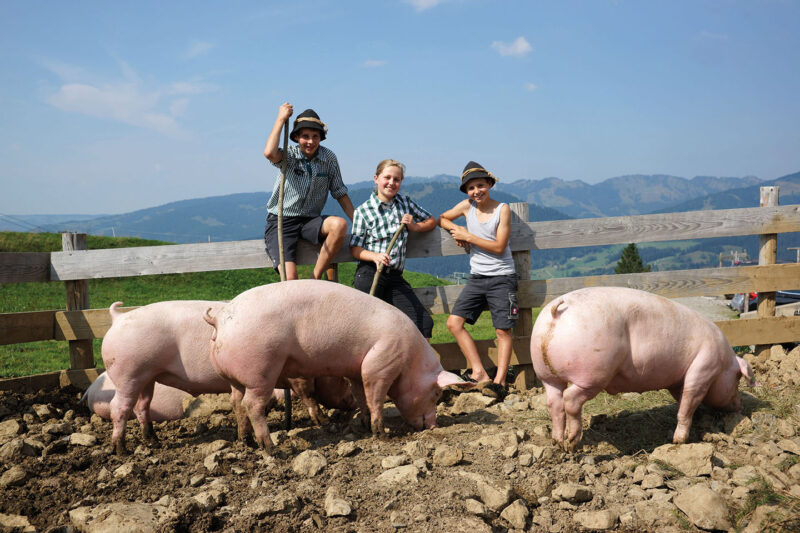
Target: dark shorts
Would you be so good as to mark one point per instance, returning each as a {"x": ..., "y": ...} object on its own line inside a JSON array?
[
  {"x": 498, "y": 292},
  {"x": 294, "y": 228},
  {"x": 394, "y": 290}
]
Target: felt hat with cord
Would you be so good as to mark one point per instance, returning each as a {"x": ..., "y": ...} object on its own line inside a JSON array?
[
  {"x": 475, "y": 170},
  {"x": 308, "y": 119}
]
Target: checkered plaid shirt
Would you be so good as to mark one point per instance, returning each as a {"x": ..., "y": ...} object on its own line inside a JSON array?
[
  {"x": 307, "y": 183},
  {"x": 375, "y": 222}
]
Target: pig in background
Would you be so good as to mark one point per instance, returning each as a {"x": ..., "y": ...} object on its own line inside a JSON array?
[
  {"x": 167, "y": 402},
  {"x": 317, "y": 328},
  {"x": 626, "y": 340},
  {"x": 171, "y": 404},
  {"x": 167, "y": 343}
]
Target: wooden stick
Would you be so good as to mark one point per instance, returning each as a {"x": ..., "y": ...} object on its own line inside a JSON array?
[
  {"x": 287, "y": 393},
  {"x": 284, "y": 162},
  {"x": 380, "y": 267}
]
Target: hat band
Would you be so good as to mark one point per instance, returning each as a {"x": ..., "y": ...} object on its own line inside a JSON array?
[
  {"x": 311, "y": 119},
  {"x": 478, "y": 169}
]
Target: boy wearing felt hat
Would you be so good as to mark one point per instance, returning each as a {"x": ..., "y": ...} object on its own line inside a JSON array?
[
  {"x": 311, "y": 172},
  {"x": 493, "y": 278}
]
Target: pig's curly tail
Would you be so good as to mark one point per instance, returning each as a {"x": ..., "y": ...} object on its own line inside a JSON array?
[
  {"x": 211, "y": 320},
  {"x": 555, "y": 305},
  {"x": 114, "y": 312}
]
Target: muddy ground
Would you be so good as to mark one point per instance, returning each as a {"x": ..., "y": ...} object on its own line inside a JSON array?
[{"x": 489, "y": 467}]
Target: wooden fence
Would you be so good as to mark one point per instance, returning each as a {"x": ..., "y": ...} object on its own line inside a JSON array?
[{"x": 75, "y": 265}]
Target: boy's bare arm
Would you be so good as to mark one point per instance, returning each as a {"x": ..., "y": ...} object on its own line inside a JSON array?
[
  {"x": 347, "y": 206},
  {"x": 426, "y": 225},
  {"x": 446, "y": 218},
  {"x": 495, "y": 247},
  {"x": 271, "y": 151}
]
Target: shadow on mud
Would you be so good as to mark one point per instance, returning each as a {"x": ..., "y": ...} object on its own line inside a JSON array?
[{"x": 644, "y": 430}]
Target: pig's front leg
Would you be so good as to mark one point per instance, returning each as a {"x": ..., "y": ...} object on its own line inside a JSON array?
[
  {"x": 357, "y": 390},
  {"x": 375, "y": 392},
  {"x": 304, "y": 388},
  {"x": 574, "y": 398}
]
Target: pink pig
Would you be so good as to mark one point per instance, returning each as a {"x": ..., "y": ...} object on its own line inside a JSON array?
[
  {"x": 625, "y": 340},
  {"x": 319, "y": 328},
  {"x": 167, "y": 402},
  {"x": 167, "y": 342}
]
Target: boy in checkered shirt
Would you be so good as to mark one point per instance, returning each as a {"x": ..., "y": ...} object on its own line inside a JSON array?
[
  {"x": 374, "y": 223},
  {"x": 311, "y": 172}
]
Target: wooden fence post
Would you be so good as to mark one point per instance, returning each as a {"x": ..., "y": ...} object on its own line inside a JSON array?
[
  {"x": 767, "y": 255},
  {"x": 81, "y": 353},
  {"x": 526, "y": 378}
]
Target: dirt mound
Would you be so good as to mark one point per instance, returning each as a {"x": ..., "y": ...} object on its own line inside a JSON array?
[{"x": 489, "y": 467}]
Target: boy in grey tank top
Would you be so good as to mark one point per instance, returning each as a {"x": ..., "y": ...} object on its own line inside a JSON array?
[{"x": 492, "y": 280}]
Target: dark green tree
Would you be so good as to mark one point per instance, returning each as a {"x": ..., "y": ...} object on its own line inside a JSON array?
[{"x": 630, "y": 261}]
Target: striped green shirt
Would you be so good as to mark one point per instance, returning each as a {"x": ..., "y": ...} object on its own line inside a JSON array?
[
  {"x": 307, "y": 183},
  {"x": 375, "y": 222}
]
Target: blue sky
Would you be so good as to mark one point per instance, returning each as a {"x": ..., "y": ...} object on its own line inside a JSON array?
[{"x": 109, "y": 107}]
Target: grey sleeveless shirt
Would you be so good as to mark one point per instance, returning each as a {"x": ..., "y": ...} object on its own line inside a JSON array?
[{"x": 481, "y": 261}]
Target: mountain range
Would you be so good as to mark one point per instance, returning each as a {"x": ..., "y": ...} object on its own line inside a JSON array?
[{"x": 241, "y": 216}]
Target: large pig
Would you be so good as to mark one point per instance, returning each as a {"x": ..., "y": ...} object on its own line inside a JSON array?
[
  {"x": 626, "y": 340},
  {"x": 167, "y": 342},
  {"x": 319, "y": 328}
]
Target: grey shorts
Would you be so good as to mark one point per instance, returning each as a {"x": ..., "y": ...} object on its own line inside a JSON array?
[
  {"x": 294, "y": 228},
  {"x": 498, "y": 292}
]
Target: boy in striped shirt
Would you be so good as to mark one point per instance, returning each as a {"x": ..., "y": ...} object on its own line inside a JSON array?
[
  {"x": 374, "y": 224},
  {"x": 311, "y": 172}
]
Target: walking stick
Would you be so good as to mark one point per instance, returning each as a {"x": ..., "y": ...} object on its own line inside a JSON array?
[
  {"x": 287, "y": 392},
  {"x": 380, "y": 267}
]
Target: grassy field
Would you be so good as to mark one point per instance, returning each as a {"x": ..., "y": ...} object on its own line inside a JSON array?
[{"x": 37, "y": 357}]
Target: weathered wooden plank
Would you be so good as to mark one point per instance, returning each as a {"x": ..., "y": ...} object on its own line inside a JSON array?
[
  {"x": 671, "y": 284},
  {"x": 85, "y": 324},
  {"x": 31, "y": 384},
  {"x": 146, "y": 260},
  {"x": 26, "y": 327},
  {"x": 452, "y": 359},
  {"x": 24, "y": 267},
  {"x": 655, "y": 228},
  {"x": 773, "y": 330}
]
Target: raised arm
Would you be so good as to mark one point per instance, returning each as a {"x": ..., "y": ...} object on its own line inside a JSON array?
[
  {"x": 495, "y": 247},
  {"x": 271, "y": 150}
]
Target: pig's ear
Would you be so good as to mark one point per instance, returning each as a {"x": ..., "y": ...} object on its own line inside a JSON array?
[{"x": 448, "y": 379}]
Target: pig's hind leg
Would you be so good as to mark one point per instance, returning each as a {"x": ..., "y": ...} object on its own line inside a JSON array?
[
  {"x": 574, "y": 398},
  {"x": 555, "y": 404},
  {"x": 121, "y": 407},
  {"x": 255, "y": 402},
  {"x": 142, "y": 412},
  {"x": 243, "y": 426}
]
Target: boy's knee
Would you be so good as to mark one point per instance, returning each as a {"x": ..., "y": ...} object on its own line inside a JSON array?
[
  {"x": 503, "y": 333},
  {"x": 454, "y": 323},
  {"x": 336, "y": 227}
]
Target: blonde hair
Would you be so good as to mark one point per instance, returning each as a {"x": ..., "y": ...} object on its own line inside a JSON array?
[{"x": 390, "y": 163}]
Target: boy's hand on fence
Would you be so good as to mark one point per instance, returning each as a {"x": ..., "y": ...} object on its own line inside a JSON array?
[{"x": 460, "y": 233}]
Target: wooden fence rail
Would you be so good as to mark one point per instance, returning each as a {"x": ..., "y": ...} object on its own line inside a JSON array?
[{"x": 86, "y": 324}]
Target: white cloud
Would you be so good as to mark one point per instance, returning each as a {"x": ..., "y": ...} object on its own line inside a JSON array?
[
  {"x": 530, "y": 87},
  {"x": 127, "y": 100},
  {"x": 196, "y": 49},
  {"x": 422, "y": 5},
  {"x": 518, "y": 48},
  {"x": 374, "y": 63}
]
